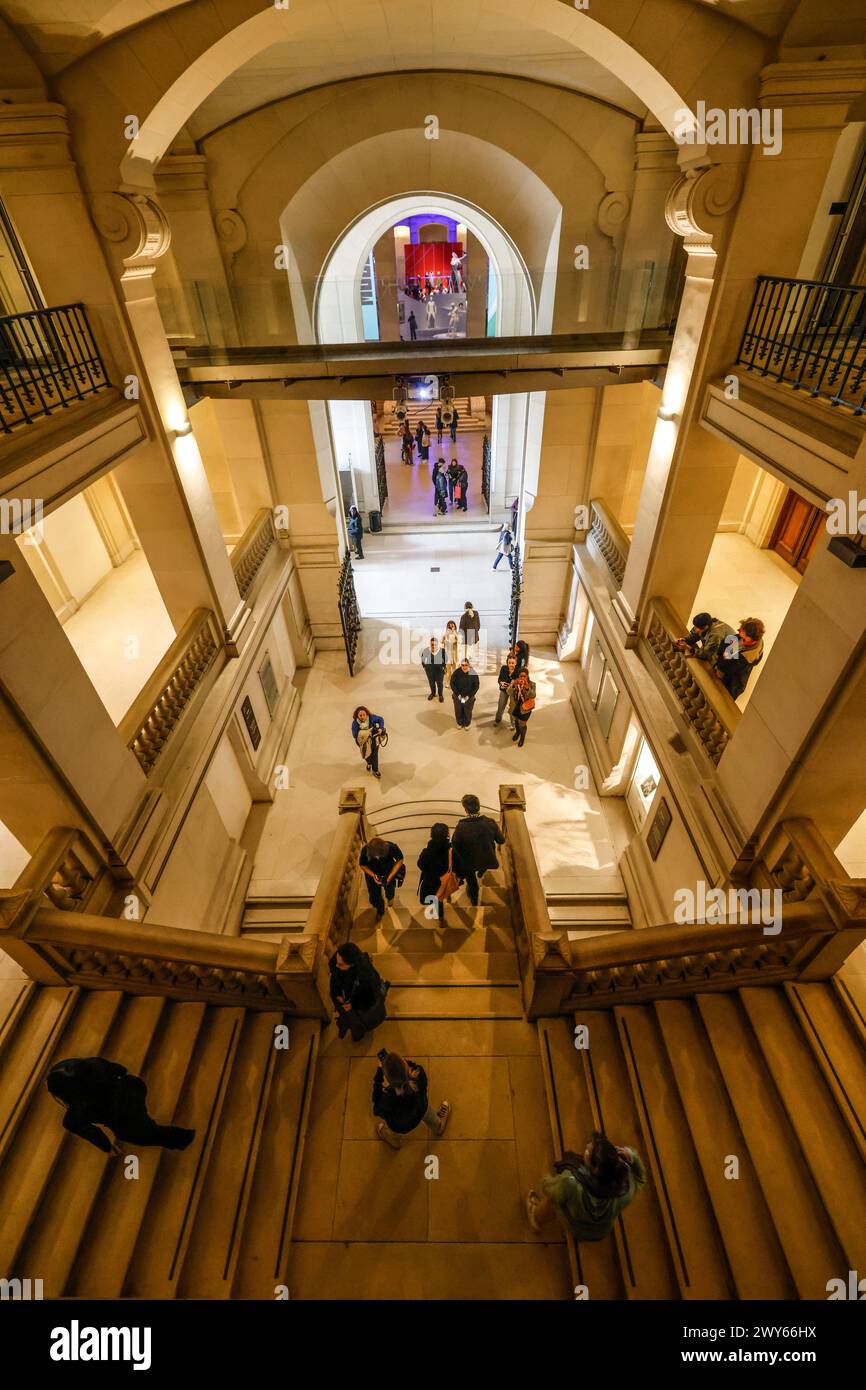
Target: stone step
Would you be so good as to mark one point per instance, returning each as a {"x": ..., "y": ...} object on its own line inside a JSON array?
[
  {"x": 428, "y": 968},
  {"x": 437, "y": 1037},
  {"x": 455, "y": 1001},
  {"x": 433, "y": 940},
  {"x": 424, "y": 1271},
  {"x": 837, "y": 1050}
]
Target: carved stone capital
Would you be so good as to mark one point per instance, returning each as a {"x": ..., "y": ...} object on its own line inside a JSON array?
[
  {"x": 231, "y": 230},
  {"x": 550, "y": 950},
  {"x": 137, "y": 226},
  {"x": 699, "y": 199}
]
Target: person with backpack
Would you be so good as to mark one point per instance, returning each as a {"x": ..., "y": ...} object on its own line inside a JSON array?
[
  {"x": 355, "y": 527},
  {"x": 473, "y": 846},
  {"x": 401, "y": 1102},
  {"x": 434, "y": 861},
  {"x": 98, "y": 1092},
  {"x": 384, "y": 868},
  {"x": 589, "y": 1190},
  {"x": 522, "y": 705},
  {"x": 357, "y": 991}
]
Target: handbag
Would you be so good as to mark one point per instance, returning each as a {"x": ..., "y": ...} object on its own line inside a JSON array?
[{"x": 448, "y": 884}]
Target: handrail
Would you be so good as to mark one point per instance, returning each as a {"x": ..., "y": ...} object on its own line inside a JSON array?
[
  {"x": 703, "y": 700},
  {"x": 810, "y": 335},
  {"x": 157, "y": 709},
  {"x": 609, "y": 539},
  {"x": 63, "y": 944},
  {"x": 251, "y": 550},
  {"x": 48, "y": 360},
  {"x": 821, "y": 919},
  {"x": 333, "y": 904}
]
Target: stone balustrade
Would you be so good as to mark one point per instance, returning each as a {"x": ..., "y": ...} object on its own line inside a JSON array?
[
  {"x": 157, "y": 710},
  {"x": 252, "y": 549},
  {"x": 609, "y": 540},
  {"x": 703, "y": 700}
]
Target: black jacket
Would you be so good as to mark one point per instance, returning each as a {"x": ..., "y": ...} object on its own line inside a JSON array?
[
  {"x": 433, "y": 863},
  {"x": 474, "y": 843},
  {"x": 360, "y": 985},
  {"x": 464, "y": 682},
  {"x": 403, "y": 1113},
  {"x": 505, "y": 677},
  {"x": 93, "y": 1097}
]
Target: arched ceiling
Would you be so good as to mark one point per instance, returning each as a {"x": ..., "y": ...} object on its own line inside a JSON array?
[{"x": 58, "y": 32}]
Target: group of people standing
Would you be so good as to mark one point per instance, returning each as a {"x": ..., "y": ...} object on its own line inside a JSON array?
[
  {"x": 420, "y": 439},
  {"x": 450, "y": 484},
  {"x": 731, "y": 655}
]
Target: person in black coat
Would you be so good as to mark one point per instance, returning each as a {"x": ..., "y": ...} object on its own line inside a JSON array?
[
  {"x": 98, "y": 1092},
  {"x": 474, "y": 846},
  {"x": 401, "y": 1102},
  {"x": 464, "y": 688},
  {"x": 433, "y": 861},
  {"x": 382, "y": 864},
  {"x": 433, "y": 661},
  {"x": 357, "y": 991}
]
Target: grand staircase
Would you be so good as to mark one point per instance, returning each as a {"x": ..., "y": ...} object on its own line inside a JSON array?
[
  {"x": 746, "y": 1101},
  {"x": 211, "y": 1222},
  {"x": 749, "y": 1110}
]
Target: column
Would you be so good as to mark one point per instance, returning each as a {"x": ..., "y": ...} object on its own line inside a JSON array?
[
  {"x": 385, "y": 263},
  {"x": 147, "y": 237}
]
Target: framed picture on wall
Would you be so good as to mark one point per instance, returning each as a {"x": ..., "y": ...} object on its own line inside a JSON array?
[
  {"x": 607, "y": 701},
  {"x": 661, "y": 822},
  {"x": 269, "y": 684}
]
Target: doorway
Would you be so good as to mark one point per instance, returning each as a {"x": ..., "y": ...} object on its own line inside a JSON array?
[{"x": 797, "y": 531}]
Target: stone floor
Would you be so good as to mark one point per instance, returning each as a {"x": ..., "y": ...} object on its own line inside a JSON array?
[
  {"x": 742, "y": 581},
  {"x": 460, "y": 1232},
  {"x": 429, "y": 758},
  {"x": 410, "y": 491}
]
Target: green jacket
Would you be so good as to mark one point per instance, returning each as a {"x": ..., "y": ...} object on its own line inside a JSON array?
[{"x": 588, "y": 1217}]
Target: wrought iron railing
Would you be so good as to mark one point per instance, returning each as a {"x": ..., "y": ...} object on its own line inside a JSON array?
[
  {"x": 48, "y": 360},
  {"x": 516, "y": 595},
  {"x": 350, "y": 614},
  {"x": 485, "y": 470},
  {"x": 810, "y": 335},
  {"x": 381, "y": 475}
]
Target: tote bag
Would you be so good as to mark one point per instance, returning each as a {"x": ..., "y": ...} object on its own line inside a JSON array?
[{"x": 448, "y": 884}]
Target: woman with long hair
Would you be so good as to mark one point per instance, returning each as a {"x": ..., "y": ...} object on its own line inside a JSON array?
[
  {"x": 357, "y": 991},
  {"x": 367, "y": 731},
  {"x": 589, "y": 1191},
  {"x": 451, "y": 643},
  {"x": 400, "y": 1100}
]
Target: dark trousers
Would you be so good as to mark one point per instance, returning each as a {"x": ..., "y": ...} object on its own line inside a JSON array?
[
  {"x": 414, "y": 331},
  {"x": 435, "y": 679},
  {"x": 472, "y": 886},
  {"x": 374, "y": 758},
  {"x": 378, "y": 892},
  {"x": 463, "y": 713},
  {"x": 359, "y": 550},
  {"x": 451, "y": 491},
  {"x": 453, "y": 434},
  {"x": 133, "y": 1125}
]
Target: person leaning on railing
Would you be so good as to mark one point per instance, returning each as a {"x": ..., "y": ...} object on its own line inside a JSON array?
[{"x": 705, "y": 637}]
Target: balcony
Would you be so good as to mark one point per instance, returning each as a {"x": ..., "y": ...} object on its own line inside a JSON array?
[
  {"x": 794, "y": 399},
  {"x": 48, "y": 361}
]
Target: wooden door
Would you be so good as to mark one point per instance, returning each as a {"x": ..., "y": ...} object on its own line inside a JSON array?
[{"x": 797, "y": 531}]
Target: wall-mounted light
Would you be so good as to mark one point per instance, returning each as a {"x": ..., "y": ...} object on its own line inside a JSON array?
[
  {"x": 666, "y": 413},
  {"x": 181, "y": 430}
]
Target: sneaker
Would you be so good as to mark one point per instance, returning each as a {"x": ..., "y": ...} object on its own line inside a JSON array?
[
  {"x": 392, "y": 1139},
  {"x": 378, "y": 774}
]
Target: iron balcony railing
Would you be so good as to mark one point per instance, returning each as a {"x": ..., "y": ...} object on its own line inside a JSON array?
[
  {"x": 485, "y": 470},
  {"x": 810, "y": 335},
  {"x": 48, "y": 360}
]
